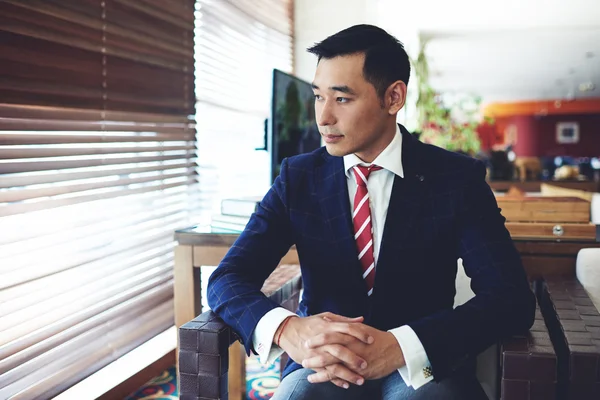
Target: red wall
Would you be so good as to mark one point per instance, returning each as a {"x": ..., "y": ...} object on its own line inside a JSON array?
[
  {"x": 488, "y": 135},
  {"x": 536, "y": 135}
]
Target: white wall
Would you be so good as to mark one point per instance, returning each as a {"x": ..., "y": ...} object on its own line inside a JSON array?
[{"x": 315, "y": 20}]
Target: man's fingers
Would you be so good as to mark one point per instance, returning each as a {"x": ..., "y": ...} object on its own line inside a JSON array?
[
  {"x": 320, "y": 377},
  {"x": 342, "y": 372},
  {"x": 340, "y": 383},
  {"x": 355, "y": 330},
  {"x": 331, "y": 317},
  {"x": 329, "y": 338},
  {"x": 336, "y": 371},
  {"x": 336, "y": 381},
  {"x": 320, "y": 361},
  {"x": 346, "y": 356},
  {"x": 333, "y": 354}
]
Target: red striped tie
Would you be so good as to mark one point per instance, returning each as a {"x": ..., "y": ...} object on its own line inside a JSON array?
[{"x": 363, "y": 231}]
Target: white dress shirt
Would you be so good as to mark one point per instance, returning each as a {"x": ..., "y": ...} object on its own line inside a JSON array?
[{"x": 416, "y": 371}]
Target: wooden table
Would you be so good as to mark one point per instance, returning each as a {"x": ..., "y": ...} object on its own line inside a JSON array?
[
  {"x": 551, "y": 257},
  {"x": 197, "y": 247},
  {"x": 535, "y": 186}
]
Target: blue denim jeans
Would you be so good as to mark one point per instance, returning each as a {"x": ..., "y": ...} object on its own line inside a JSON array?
[{"x": 295, "y": 386}]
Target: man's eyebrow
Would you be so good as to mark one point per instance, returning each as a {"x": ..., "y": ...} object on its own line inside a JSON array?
[{"x": 343, "y": 89}]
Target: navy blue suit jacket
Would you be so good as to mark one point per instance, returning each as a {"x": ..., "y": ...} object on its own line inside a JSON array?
[{"x": 441, "y": 210}]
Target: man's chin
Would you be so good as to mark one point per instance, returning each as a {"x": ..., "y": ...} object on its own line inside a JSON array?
[{"x": 335, "y": 150}]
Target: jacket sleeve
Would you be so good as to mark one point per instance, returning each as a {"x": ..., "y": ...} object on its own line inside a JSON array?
[
  {"x": 234, "y": 288},
  {"x": 503, "y": 304}
]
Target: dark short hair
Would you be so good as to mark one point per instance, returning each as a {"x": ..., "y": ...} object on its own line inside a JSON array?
[{"x": 386, "y": 60}]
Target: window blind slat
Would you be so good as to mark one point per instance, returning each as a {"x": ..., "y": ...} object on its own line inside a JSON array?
[
  {"x": 92, "y": 116},
  {"x": 14, "y": 274},
  {"x": 70, "y": 93},
  {"x": 10, "y": 138},
  {"x": 125, "y": 259},
  {"x": 149, "y": 258},
  {"x": 175, "y": 8},
  {"x": 64, "y": 17},
  {"x": 66, "y": 349},
  {"x": 58, "y": 307},
  {"x": 32, "y": 166},
  {"x": 267, "y": 12},
  {"x": 144, "y": 10},
  {"x": 237, "y": 46},
  {"x": 41, "y": 152},
  {"x": 43, "y": 177},
  {"x": 22, "y": 341},
  {"x": 61, "y": 221},
  {"x": 53, "y": 203},
  {"x": 215, "y": 35},
  {"x": 28, "y": 15},
  {"x": 29, "y": 194},
  {"x": 126, "y": 310},
  {"x": 123, "y": 339},
  {"x": 75, "y": 363}
]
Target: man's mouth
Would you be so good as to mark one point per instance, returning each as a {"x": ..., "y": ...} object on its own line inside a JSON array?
[{"x": 329, "y": 138}]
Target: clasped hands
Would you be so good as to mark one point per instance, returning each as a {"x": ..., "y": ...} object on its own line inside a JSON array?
[{"x": 340, "y": 349}]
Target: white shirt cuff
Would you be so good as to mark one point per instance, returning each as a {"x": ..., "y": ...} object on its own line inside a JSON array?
[
  {"x": 263, "y": 335},
  {"x": 417, "y": 370}
]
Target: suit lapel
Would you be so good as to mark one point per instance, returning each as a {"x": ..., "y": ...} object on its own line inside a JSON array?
[
  {"x": 403, "y": 210},
  {"x": 332, "y": 189},
  {"x": 404, "y": 206}
]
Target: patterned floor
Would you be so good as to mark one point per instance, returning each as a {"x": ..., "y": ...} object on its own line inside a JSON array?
[
  {"x": 161, "y": 387},
  {"x": 261, "y": 382}
]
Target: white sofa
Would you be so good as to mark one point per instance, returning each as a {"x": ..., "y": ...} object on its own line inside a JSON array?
[
  {"x": 588, "y": 273},
  {"x": 595, "y": 209}
]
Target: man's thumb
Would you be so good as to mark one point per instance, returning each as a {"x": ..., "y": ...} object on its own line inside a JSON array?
[{"x": 331, "y": 317}]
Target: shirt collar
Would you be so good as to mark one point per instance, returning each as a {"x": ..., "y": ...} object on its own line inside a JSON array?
[{"x": 390, "y": 158}]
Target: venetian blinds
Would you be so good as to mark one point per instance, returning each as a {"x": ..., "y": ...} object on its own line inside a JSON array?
[
  {"x": 97, "y": 169},
  {"x": 238, "y": 43}
]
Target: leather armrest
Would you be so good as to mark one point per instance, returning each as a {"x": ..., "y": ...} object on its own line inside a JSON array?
[
  {"x": 204, "y": 342},
  {"x": 529, "y": 364},
  {"x": 204, "y": 357},
  {"x": 574, "y": 325}
]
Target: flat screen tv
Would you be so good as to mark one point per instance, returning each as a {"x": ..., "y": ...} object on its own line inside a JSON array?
[{"x": 293, "y": 128}]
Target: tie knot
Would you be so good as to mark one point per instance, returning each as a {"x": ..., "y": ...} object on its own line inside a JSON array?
[{"x": 362, "y": 173}]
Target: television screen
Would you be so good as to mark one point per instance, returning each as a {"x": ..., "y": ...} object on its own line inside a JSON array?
[{"x": 293, "y": 125}]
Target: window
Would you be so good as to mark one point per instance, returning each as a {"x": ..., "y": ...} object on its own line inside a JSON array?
[
  {"x": 97, "y": 169},
  {"x": 238, "y": 43}
]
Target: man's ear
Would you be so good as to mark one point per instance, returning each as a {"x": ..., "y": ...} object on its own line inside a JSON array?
[{"x": 395, "y": 97}]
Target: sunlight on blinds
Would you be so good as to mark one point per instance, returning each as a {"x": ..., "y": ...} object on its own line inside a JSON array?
[{"x": 237, "y": 48}]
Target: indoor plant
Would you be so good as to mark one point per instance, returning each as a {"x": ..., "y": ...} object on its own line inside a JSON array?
[{"x": 450, "y": 125}]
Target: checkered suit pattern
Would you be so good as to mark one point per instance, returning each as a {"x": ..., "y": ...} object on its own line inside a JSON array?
[{"x": 440, "y": 211}]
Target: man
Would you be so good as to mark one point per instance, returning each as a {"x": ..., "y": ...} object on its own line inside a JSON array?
[{"x": 379, "y": 221}]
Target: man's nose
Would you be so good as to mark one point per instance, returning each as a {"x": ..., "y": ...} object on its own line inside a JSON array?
[{"x": 326, "y": 116}]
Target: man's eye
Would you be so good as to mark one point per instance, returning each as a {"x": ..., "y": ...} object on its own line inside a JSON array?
[
  {"x": 343, "y": 99},
  {"x": 318, "y": 97}
]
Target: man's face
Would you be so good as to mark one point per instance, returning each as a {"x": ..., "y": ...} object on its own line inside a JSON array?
[{"x": 349, "y": 113}]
